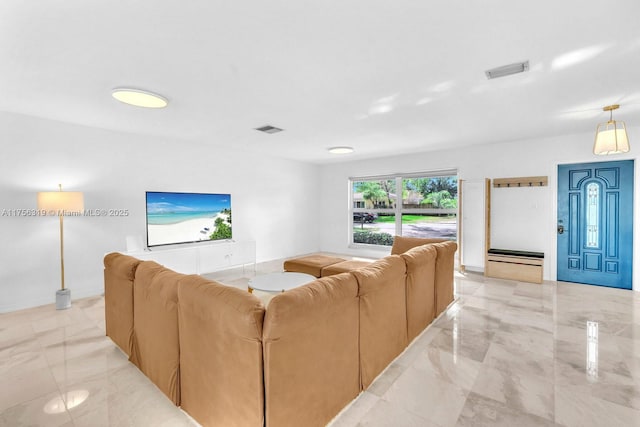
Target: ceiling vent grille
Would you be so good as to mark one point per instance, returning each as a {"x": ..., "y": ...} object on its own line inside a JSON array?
[
  {"x": 269, "y": 129},
  {"x": 507, "y": 70}
]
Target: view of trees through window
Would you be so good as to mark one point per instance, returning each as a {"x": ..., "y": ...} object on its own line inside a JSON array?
[{"x": 428, "y": 208}]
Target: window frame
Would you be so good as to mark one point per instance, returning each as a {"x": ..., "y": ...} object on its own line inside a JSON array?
[{"x": 398, "y": 209}]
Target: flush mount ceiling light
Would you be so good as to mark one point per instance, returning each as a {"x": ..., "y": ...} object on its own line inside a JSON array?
[
  {"x": 139, "y": 98},
  {"x": 269, "y": 129},
  {"x": 507, "y": 70},
  {"x": 611, "y": 137},
  {"x": 340, "y": 150}
]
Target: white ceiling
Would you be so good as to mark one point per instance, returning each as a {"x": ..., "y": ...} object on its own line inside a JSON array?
[{"x": 386, "y": 77}]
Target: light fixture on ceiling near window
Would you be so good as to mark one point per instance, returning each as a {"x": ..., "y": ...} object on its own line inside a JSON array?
[
  {"x": 507, "y": 70},
  {"x": 340, "y": 150},
  {"x": 139, "y": 98},
  {"x": 611, "y": 137}
]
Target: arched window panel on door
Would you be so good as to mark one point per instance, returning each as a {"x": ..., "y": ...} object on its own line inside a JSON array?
[{"x": 592, "y": 215}]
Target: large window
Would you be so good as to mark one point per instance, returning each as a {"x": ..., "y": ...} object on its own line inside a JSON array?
[{"x": 427, "y": 208}]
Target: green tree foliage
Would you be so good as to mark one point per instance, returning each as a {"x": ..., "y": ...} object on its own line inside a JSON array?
[
  {"x": 449, "y": 203},
  {"x": 223, "y": 231},
  {"x": 378, "y": 193},
  {"x": 434, "y": 185},
  {"x": 371, "y": 191},
  {"x": 388, "y": 186},
  {"x": 441, "y": 199},
  {"x": 440, "y": 192},
  {"x": 223, "y": 226},
  {"x": 228, "y": 213}
]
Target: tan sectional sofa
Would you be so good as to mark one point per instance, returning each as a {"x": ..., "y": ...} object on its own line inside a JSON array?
[
  {"x": 311, "y": 352},
  {"x": 221, "y": 367},
  {"x": 227, "y": 360},
  {"x": 119, "y": 272},
  {"x": 420, "y": 288},
  {"x": 383, "y": 315},
  {"x": 445, "y": 260},
  {"x": 156, "y": 347}
]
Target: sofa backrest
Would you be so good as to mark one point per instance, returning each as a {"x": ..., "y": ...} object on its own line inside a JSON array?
[
  {"x": 311, "y": 355},
  {"x": 119, "y": 272},
  {"x": 444, "y": 274},
  {"x": 444, "y": 265},
  {"x": 402, "y": 244},
  {"x": 421, "y": 291},
  {"x": 383, "y": 315},
  {"x": 221, "y": 363},
  {"x": 156, "y": 348}
]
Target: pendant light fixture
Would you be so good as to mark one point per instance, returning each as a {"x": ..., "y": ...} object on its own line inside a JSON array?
[{"x": 611, "y": 137}]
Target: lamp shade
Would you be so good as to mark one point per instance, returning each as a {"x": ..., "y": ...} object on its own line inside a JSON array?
[
  {"x": 611, "y": 138},
  {"x": 61, "y": 201}
]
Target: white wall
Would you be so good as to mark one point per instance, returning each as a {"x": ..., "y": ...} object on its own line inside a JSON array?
[
  {"x": 520, "y": 219},
  {"x": 113, "y": 170},
  {"x": 472, "y": 216}
]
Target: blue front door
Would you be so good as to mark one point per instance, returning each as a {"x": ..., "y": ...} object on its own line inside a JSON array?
[{"x": 595, "y": 223}]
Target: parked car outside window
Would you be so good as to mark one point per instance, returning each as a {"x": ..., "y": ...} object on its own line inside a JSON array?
[{"x": 364, "y": 217}]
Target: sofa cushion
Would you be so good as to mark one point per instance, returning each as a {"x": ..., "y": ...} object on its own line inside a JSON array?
[
  {"x": 221, "y": 353},
  {"x": 156, "y": 348},
  {"x": 444, "y": 274},
  {"x": 119, "y": 272},
  {"x": 402, "y": 244},
  {"x": 311, "y": 352},
  {"x": 383, "y": 315},
  {"x": 421, "y": 295},
  {"x": 310, "y": 264},
  {"x": 344, "y": 267}
]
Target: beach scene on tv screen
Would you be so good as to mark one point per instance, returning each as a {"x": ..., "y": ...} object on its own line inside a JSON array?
[{"x": 187, "y": 217}]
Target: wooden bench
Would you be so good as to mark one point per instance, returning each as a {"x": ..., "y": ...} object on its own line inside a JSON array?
[{"x": 523, "y": 266}]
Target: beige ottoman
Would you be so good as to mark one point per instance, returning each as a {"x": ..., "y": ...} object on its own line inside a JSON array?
[
  {"x": 311, "y": 264},
  {"x": 344, "y": 266}
]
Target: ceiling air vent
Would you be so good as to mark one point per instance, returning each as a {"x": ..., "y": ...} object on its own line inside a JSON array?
[
  {"x": 507, "y": 70},
  {"x": 269, "y": 129}
]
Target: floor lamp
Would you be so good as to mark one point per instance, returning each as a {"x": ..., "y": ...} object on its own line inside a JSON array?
[{"x": 61, "y": 203}]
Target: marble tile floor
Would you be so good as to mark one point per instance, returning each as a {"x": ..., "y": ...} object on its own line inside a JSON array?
[
  {"x": 515, "y": 354},
  {"x": 504, "y": 354}
]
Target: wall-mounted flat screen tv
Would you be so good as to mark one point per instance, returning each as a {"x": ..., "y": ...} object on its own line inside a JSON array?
[{"x": 174, "y": 218}]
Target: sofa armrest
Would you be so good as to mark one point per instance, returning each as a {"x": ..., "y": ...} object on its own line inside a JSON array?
[
  {"x": 421, "y": 289},
  {"x": 156, "y": 349},
  {"x": 383, "y": 315},
  {"x": 119, "y": 272}
]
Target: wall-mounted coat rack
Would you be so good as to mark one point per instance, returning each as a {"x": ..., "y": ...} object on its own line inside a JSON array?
[{"x": 526, "y": 181}]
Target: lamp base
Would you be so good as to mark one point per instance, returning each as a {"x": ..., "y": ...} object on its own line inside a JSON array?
[{"x": 63, "y": 299}]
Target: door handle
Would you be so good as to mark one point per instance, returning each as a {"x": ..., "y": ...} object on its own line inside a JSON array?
[{"x": 560, "y": 229}]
